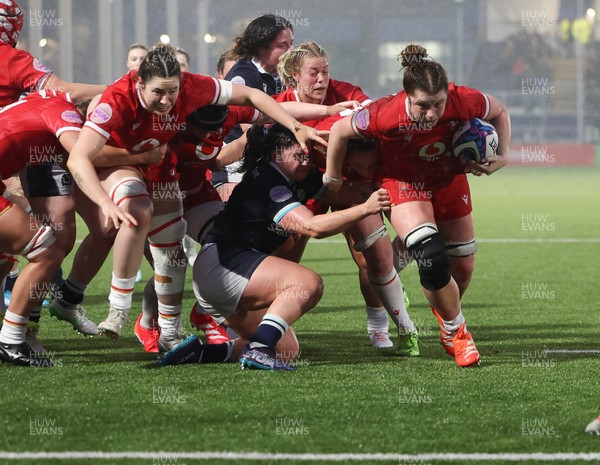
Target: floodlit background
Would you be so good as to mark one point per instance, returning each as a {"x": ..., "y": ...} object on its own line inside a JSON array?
[{"x": 541, "y": 57}]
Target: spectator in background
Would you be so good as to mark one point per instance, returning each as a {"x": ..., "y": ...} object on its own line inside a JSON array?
[
  {"x": 135, "y": 55},
  {"x": 225, "y": 63},
  {"x": 184, "y": 60}
]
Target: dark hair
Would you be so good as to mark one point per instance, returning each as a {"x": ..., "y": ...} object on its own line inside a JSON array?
[
  {"x": 209, "y": 117},
  {"x": 161, "y": 61},
  {"x": 420, "y": 72},
  {"x": 184, "y": 53},
  {"x": 260, "y": 33},
  {"x": 360, "y": 146},
  {"x": 262, "y": 142},
  {"x": 226, "y": 56}
]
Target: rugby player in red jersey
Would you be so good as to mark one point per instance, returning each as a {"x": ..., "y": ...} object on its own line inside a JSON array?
[
  {"x": 141, "y": 111},
  {"x": 38, "y": 130},
  {"x": 429, "y": 190}
]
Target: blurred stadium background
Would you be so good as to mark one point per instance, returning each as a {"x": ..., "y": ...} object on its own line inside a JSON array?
[{"x": 542, "y": 57}]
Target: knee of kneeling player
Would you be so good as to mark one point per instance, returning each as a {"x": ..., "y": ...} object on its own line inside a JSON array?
[
  {"x": 314, "y": 291},
  {"x": 433, "y": 262}
]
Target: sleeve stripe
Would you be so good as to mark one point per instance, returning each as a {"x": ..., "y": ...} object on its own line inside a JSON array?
[
  {"x": 67, "y": 128},
  {"x": 97, "y": 128},
  {"x": 487, "y": 106},
  {"x": 255, "y": 115},
  {"x": 284, "y": 211},
  {"x": 225, "y": 91},
  {"x": 42, "y": 81},
  {"x": 218, "y": 91}
]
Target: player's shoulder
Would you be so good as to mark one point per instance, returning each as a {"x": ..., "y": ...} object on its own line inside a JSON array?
[
  {"x": 288, "y": 95},
  {"x": 382, "y": 112},
  {"x": 244, "y": 72}
]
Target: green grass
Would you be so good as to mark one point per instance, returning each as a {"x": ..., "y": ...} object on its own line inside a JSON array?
[{"x": 347, "y": 396}]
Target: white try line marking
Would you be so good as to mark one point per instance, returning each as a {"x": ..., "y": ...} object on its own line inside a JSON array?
[
  {"x": 504, "y": 240},
  {"x": 574, "y": 351},
  {"x": 402, "y": 458}
]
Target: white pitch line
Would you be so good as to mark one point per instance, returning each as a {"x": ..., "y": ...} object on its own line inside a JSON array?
[
  {"x": 447, "y": 457},
  {"x": 505, "y": 240},
  {"x": 574, "y": 351}
]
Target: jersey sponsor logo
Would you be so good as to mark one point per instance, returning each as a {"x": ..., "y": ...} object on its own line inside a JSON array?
[
  {"x": 276, "y": 229},
  {"x": 362, "y": 119},
  {"x": 206, "y": 152},
  {"x": 431, "y": 152},
  {"x": 280, "y": 194},
  {"x": 238, "y": 80},
  {"x": 146, "y": 145},
  {"x": 101, "y": 114},
  {"x": 71, "y": 116},
  {"x": 37, "y": 64}
]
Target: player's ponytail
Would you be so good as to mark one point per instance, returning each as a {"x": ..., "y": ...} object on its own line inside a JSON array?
[
  {"x": 161, "y": 61},
  {"x": 421, "y": 72},
  {"x": 263, "y": 143},
  {"x": 292, "y": 60}
]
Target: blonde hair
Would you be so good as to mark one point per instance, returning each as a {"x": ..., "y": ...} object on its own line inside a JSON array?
[{"x": 291, "y": 61}]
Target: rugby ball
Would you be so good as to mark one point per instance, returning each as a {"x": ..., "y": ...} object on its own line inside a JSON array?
[{"x": 476, "y": 140}]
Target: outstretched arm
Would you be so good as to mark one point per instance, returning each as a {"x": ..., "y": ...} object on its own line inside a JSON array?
[
  {"x": 341, "y": 133},
  {"x": 243, "y": 95},
  {"x": 300, "y": 220}
]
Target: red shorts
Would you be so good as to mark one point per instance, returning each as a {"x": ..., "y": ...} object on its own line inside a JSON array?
[
  {"x": 450, "y": 201},
  {"x": 207, "y": 193}
]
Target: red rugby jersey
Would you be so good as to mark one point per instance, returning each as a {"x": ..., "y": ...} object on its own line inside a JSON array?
[
  {"x": 30, "y": 129},
  {"x": 21, "y": 72},
  {"x": 414, "y": 151}
]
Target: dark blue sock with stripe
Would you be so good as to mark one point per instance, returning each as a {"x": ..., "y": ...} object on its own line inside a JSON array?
[{"x": 270, "y": 330}]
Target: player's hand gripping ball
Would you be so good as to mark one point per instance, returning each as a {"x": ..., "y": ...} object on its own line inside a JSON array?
[{"x": 475, "y": 140}]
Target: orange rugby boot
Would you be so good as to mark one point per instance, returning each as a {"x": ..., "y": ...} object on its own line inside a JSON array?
[
  {"x": 466, "y": 354},
  {"x": 214, "y": 332},
  {"x": 148, "y": 337}
]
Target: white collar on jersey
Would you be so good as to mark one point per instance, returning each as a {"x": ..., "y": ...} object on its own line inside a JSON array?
[
  {"x": 140, "y": 98},
  {"x": 406, "y": 104},
  {"x": 259, "y": 67}
]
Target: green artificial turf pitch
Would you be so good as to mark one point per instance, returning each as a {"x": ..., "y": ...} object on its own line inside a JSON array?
[{"x": 534, "y": 291}]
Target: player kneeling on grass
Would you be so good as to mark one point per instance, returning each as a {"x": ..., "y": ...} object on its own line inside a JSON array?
[{"x": 235, "y": 275}]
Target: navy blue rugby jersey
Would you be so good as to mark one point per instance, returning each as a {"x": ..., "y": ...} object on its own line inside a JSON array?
[{"x": 252, "y": 214}]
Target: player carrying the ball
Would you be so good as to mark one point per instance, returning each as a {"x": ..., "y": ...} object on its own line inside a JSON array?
[{"x": 431, "y": 201}]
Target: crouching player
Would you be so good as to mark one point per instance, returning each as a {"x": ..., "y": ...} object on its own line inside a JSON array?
[{"x": 237, "y": 277}]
